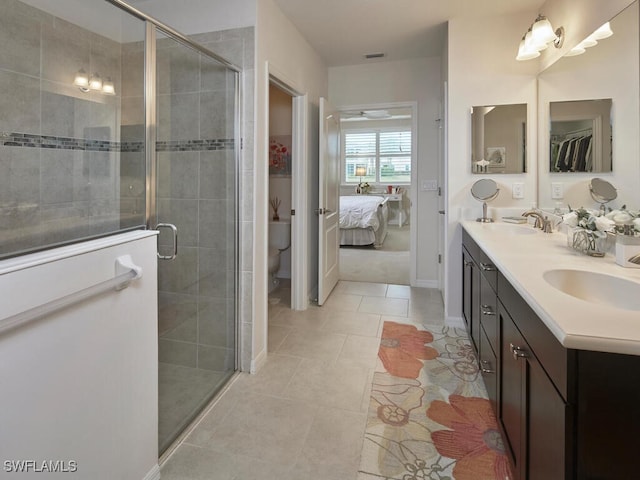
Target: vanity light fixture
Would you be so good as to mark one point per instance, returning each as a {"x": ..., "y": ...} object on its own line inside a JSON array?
[
  {"x": 592, "y": 40},
  {"x": 95, "y": 82},
  {"x": 539, "y": 36}
]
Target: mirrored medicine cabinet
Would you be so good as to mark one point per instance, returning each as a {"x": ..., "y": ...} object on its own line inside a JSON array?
[{"x": 499, "y": 138}]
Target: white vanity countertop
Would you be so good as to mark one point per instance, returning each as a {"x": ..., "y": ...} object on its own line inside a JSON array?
[{"x": 576, "y": 323}]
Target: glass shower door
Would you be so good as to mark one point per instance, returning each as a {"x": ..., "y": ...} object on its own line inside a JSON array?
[{"x": 195, "y": 191}]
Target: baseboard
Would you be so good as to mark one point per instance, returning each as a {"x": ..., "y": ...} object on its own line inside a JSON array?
[
  {"x": 154, "y": 473},
  {"x": 456, "y": 322},
  {"x": 427, "y": 284},
  {"x": 258, "y": 362}
]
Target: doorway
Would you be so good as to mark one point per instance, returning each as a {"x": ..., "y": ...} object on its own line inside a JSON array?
[
  {"x": 389, "y": 160},
  {"x": 287, "y": 122},
  {"x": 280, "y": 193}
]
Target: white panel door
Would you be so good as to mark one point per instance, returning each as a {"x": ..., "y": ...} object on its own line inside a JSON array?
[{"x": 329, "y": 201}]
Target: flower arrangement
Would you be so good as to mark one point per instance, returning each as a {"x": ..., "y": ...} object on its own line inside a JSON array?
[
  {"x": 275, "y": 204},
  {"x": 589, "y": 220},
  {"x": 280, "y": 155},
  {"x": 594, "y": 221},
  {"x": 364, "y": 187}
]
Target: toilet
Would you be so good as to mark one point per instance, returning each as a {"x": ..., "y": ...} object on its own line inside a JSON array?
[{"x": 279, "y": 241}]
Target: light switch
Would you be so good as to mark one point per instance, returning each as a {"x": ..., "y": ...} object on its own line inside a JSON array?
[
  {"x": 557, "y": 190},
  {"x": 429, "y": 185},
  {"x": 517, "y": 190}
]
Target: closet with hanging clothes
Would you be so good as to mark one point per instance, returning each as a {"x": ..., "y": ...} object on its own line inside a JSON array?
[{"x": 572, "y": 151}]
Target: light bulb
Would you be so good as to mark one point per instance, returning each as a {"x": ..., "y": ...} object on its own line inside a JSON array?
[
  {"x": 542, "y": 31},
  {"x": 95, "y": 82},
  {"x": 526, "y": 53},
  {"x": 107, "y": 87},
  {"x": 81, "y": 79}
]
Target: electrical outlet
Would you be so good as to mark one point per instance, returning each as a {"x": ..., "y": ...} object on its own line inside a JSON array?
[
  {"x": 517, "y": 190},
  {"x": 557, "y": 190}
]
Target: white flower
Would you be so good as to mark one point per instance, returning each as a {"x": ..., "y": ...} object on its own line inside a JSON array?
[
  {"x": 622, "y": 217},
  {"x": 613, "y": 213},
  {"x": 570, "y": 219},
  {"x": 605, "y": 224}
]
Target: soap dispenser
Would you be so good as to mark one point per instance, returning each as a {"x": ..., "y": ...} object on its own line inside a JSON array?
[{"x": 628, "y": 248}]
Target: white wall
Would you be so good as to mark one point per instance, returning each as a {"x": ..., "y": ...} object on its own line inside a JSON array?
[
  {"x": 415, "y": 80},
  {"x": 483, "y": 71},
  {"x": 282, "y": 51}
]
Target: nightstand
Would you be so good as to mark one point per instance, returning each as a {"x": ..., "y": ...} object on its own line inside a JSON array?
[{"x": 398, "y": 198}]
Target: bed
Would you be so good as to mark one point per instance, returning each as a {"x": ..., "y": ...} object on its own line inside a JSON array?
[{"x": 363, "y": 220}]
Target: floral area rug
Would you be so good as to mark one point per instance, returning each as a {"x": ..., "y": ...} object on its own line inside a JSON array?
[{"x": 429, "y": 417}]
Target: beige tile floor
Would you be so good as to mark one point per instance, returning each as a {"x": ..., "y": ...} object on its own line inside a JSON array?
[{"x": 302, "y": 416}]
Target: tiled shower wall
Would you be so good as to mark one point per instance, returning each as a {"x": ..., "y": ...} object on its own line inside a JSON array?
[
  {"x": 197, "y": 192},
  {"x": 59, "y": 147}
]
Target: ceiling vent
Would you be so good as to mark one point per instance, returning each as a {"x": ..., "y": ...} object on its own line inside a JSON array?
[{"x": 374, "y": 55}]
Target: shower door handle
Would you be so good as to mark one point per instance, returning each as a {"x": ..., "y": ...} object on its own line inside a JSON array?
[{"x": 174, "y": 236}]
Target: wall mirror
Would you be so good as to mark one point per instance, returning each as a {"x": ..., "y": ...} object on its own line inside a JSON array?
[
  {"x": 499, "y": 138},
  {"x": 580, "y": 136},
  {"x": 598, "y": 90}
]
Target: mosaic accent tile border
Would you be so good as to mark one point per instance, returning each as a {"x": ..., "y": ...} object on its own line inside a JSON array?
[
  {"x": 196, "y": 145},
  {"x": 69, "y": 143}
]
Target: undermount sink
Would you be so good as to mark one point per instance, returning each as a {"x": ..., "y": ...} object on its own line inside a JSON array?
[
  {"x": 511, "y": 229},
  {"x": 596, "y": 287}
]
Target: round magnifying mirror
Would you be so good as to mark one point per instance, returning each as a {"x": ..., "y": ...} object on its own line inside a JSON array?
[
  {"x": 484, "y": 190},
  {"x": 602, "y": 191}
]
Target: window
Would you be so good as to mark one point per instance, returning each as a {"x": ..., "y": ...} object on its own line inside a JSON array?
[{"x": 384, "y": 154}]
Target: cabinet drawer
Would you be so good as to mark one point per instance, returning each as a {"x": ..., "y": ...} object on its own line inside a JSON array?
[
  {"x": 472, "y": 247},
  {"x": 558, "y": 362},
  {"x": 489, "y": 370},
  {"x": 488, "y": 313},
  {"x": 488, "y": 270}
]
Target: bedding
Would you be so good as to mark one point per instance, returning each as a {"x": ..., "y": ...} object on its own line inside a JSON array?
[{"x": 363, "y": 220}]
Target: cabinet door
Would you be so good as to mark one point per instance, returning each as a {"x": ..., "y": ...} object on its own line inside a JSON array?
[
  {"x": 512, "y": 405},
  {"x": 548, "y": 456},
  {"x": 532, "y": 413}
]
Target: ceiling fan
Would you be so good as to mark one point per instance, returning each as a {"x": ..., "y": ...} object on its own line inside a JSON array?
[{"x": 367, "y": 114}]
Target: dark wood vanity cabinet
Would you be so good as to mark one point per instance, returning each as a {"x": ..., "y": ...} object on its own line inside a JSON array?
[{"x": 563, "y": 413}]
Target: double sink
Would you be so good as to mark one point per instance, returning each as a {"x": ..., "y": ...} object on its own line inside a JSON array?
[{"x": 589, "y": 303}]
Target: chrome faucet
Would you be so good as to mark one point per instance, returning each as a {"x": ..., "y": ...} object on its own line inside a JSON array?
[{"x": 543, "y": 223}]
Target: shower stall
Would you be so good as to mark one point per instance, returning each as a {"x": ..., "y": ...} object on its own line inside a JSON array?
[{"x": 110, "y": 122}]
